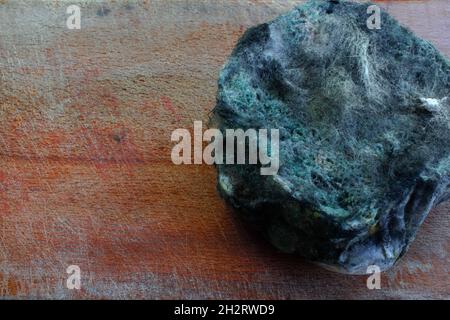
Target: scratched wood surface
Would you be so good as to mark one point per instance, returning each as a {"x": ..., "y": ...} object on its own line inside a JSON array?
[{"x": 85, "y": 172}]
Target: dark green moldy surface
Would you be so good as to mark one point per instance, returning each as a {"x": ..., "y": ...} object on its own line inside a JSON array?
[{"x": 364, "y": 126}]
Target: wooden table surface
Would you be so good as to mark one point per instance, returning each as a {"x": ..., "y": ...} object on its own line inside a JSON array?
[{"x": 85, "y": 171}]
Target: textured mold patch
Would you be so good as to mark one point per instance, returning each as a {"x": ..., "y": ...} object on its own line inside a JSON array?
[{"x": 365, "y": 138}]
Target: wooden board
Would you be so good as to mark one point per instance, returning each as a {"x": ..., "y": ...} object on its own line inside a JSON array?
[{"x": 85, "y": 172}]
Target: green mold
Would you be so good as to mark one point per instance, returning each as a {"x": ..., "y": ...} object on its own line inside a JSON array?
[{"x": 364, "y": 133}]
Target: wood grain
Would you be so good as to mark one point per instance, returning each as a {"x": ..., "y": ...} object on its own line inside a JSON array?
[{"x": 85, "y": 170}]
